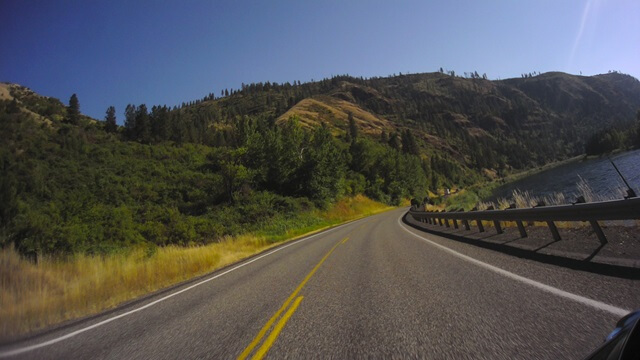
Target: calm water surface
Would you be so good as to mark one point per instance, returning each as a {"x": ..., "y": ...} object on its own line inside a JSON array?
[{"x": 598, "y": 173}]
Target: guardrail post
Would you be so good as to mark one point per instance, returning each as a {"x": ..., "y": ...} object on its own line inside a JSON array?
[
  {"x": 455, "y": 222},
  {"x": 466, "y": 224},
  {"x": 551, "y": 224},
  {"x": 521, "y": 229},
  {"x": 446, "y": 221},
  {"x": 496, "y": 223},
  {"x": 594, "y": 223},
  {"x": 498, "y": 227},
  {"x": 554, "y": 230},
  {"x": 439, "y": 221},
  {"x": 478, "y": 222},
  {"x": 598, "y": 230}
]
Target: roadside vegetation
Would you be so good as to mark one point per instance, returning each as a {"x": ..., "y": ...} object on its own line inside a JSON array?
[
  {"x": 93, "y": 213},
  {"x": 90, "y": 219},
  {"x": 55, "y": 288},
  {"x": 68, "y": 186}
]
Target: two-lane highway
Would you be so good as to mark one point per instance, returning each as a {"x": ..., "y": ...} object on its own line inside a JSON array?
[{"x": 374, "y": 288}]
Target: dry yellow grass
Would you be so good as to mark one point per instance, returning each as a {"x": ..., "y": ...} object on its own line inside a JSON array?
[
  {"x": 34, "y": 296},
  {"x": 335, "y": 112},
  {"x": 4, "y": 92},
  {"x": 353, "y": 208}
]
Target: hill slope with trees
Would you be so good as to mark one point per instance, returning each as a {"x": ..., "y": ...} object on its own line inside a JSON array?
[
  {"x": 260, "y": 156},
  {"x": 471, "y": 121}
]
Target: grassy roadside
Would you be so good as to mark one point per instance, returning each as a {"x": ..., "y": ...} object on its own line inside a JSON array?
[{"x": 34, "y": 296}]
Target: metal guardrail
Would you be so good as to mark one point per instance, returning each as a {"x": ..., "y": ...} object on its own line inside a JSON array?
[{"x": 627, "y": 209}]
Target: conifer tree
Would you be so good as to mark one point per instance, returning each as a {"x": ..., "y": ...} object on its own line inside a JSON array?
[
  {"x": 409, "y": 144},
  {"x": 73, "y": 110},
  {"x": 394, "y": 142},
  {"x": 110, "y": 120},
  {"x": 353, "y": 129},
  {"x": 130, "y": 121},
  {"x": 142, "y": 128}
]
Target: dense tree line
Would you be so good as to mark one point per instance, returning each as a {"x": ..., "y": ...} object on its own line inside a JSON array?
[
  {"x": 87, "y": 187},
  {"x": 610, "y": 139}
]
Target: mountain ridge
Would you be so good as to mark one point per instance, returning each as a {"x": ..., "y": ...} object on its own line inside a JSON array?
[
  {"x": 448, "y": 114},
  {"x": 445, "y": 111}
]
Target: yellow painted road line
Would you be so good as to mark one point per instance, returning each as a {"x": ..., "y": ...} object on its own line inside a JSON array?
[
  {"x": 345, "y": 240},
  {"x": 275, "y": 316},
  {"x": 262, "y": 351}
]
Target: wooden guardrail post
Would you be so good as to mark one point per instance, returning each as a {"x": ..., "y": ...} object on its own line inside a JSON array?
[
  {"x": 480, "y": 226},
  {"x": 496, "y": 223},
  {"x": 446, "y": 221},
  {"x": 455, "y": 222},
  {"x": 521, "y": 229},
  {"x": 551, "y": 224},
  {"x": 554, "y": 231},
  {"x": 598, "y": 230},
  {"x": 465, "y": 222},
  {"x": 594, "y": 223},
  {"x": 466, "y": 225},
  {"x": 478, "y": 222}
]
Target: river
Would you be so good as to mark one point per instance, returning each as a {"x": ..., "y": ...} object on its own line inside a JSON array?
[{"x": 598, "y": 173}]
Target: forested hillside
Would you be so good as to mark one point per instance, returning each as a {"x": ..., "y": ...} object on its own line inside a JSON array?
[
  {"x": 471, "y": 121},
  {"x": 262, "y": 156},
  {"x": 69, "y": 185}
]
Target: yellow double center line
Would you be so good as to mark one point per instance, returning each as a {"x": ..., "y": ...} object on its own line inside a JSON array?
[{"x": 262, "y": 351}]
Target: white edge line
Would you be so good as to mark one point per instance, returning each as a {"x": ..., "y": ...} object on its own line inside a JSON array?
[
  {"x": 581, "y": 299},
  {"x": 25, "y": 349}
]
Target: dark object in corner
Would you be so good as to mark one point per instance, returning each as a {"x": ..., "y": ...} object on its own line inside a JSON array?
[{"x": 623, "y": 342}]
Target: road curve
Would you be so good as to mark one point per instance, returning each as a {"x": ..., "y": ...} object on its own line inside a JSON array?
[{"x": 374, "y": 288}]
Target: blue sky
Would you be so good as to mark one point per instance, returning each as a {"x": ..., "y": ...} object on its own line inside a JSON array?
[{"x": 165, "y": 52}]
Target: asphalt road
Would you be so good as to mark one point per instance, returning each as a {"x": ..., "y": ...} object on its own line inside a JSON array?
[{"x": 374, "y": 288}]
